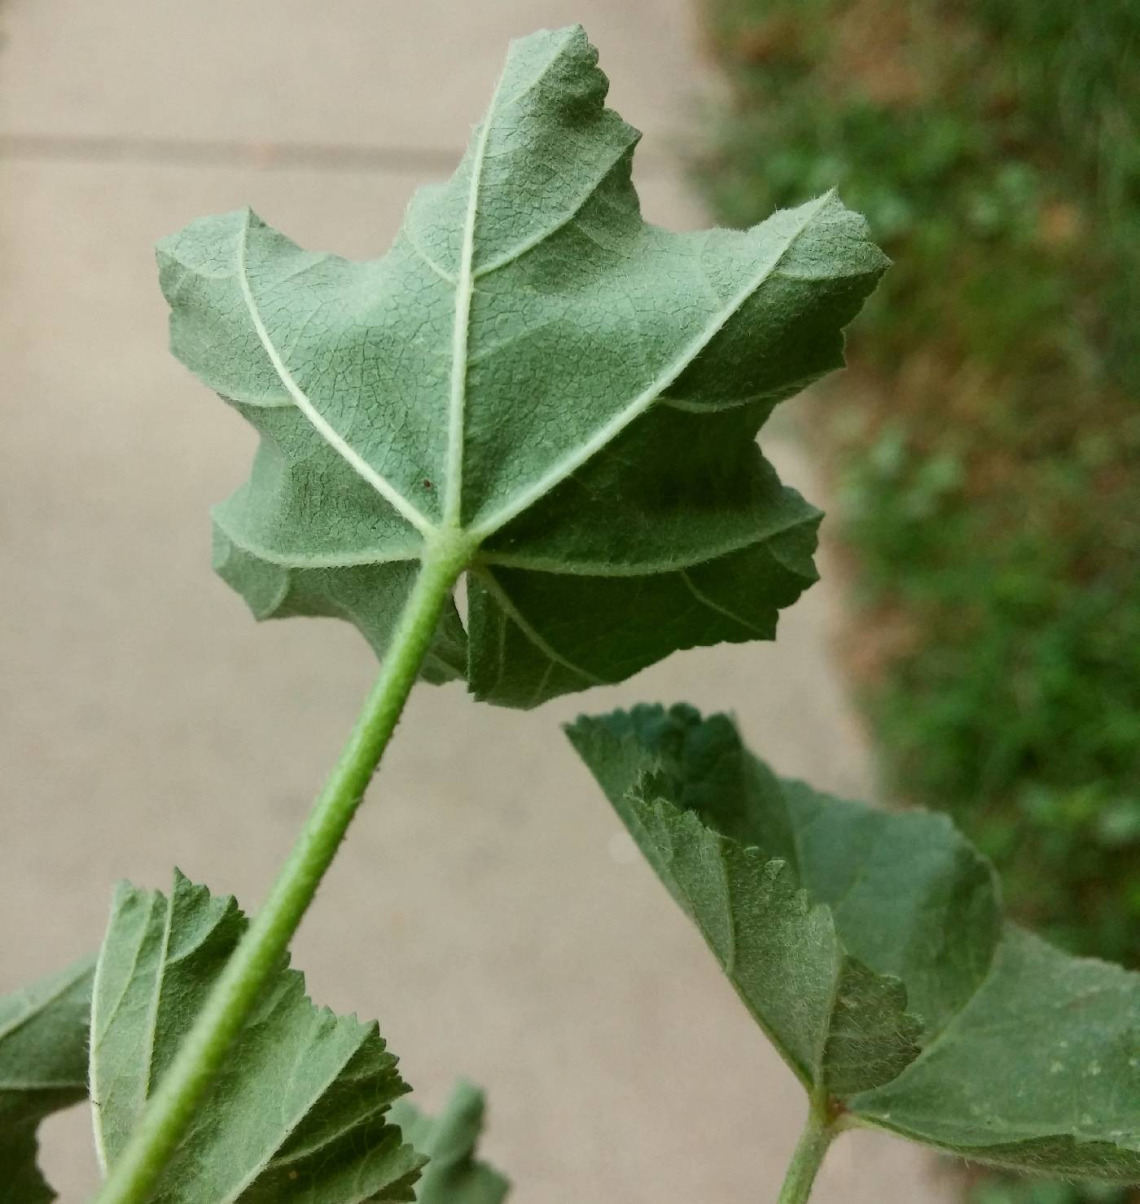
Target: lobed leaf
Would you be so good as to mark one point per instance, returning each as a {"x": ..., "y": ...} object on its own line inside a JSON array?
[
  {"x": 453, "y": 1174},
  {"x": 533, "y": 373},
  {"x": 43, "y": 1068},
  {"x": 871, "y": 948},
  {"x": 300, "y": 1111}
]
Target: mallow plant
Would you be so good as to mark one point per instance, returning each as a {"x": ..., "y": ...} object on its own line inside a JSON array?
[{"x": 539, "y": 396}]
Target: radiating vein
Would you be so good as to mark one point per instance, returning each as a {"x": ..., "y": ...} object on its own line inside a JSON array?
[
  {"x": 708, "y": 602},
  {"x": 735, "y": 403},
  {"x": 41, "y": 1005},
  {"x": 99, "y": 1030},
  {"x": 289, "y": 1126},
  {"x": 361, "y": 466},
  {"x": 331, "y": 1136},
  {"x": 308, "y": 560},
  {"x": 441, "y": 272},
  {"x": 156, "y": 996},
  {"x": 562, "y": 566},
  {"x": 576, "y": 457},
  {"x": 539, "y": 237},
  {"x": 461, "y": 331},
  {"x": 495, "y": 589}
]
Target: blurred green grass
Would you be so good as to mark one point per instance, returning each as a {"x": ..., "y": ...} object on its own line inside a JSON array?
[{"x": 985, "y": 447}]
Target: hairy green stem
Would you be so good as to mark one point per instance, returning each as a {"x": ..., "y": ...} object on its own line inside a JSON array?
[
  {"x": 818, "y": 1133},
  {"x": 171, "y": 1109}
]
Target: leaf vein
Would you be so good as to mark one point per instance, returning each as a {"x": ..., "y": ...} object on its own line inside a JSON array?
[
  {"x": 43, "y": 1004},
  {"x": 605, "y": 434},
  {"x": 705, "y": 600},
  {"x": 495, "y": 589},
  {"x": 323, "y": 428}
]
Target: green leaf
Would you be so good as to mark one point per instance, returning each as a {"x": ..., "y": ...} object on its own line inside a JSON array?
[
  {"x": 453, "y": 1175},
  {"x": 532, "y": 375},
  {"x": 43, "y": 1068},
  {"x": 871, "y": 948},
  {"x": 300, "y": 1112}
]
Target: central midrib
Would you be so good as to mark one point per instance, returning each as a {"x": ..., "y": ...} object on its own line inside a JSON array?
[{"x": 461, "y": 331}]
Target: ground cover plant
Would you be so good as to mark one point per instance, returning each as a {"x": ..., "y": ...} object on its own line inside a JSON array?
[{"x": 540, "y": 394}]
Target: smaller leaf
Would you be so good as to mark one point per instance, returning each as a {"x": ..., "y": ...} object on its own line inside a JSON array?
[
  {"x": 453, "y": 1175},
  {"x": 300, "y": 1110},
  {"x": 43, "y": 1068},
  {"x": 839, "y": 1025},
  {"x": 871, "y": 948}
]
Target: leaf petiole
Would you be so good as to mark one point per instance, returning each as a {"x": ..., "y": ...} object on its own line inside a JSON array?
[
  {"x": 171, "y": 1109},
  {"x": 818, "y": 1133}
]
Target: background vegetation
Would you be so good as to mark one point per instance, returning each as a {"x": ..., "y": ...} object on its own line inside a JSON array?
[{"x": 986, "y": 446}]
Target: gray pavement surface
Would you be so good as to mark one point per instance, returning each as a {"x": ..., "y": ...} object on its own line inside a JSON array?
[{"x": 486, "y": 907}]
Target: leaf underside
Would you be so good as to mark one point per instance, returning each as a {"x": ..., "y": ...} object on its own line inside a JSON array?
[
  {"x": 453, "y": 1174},
  {"x": 43, "y": 1068},
  {"x": 300, "y": 1109},
  {"x": 532, "y": 367},
  {"x": 871, "y": 948}
]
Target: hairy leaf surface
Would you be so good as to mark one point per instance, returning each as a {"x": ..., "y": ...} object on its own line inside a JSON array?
[
  {"x": 453, "y": 1174},
  {"x": 43, "y": 1068},
  {"x": 871, "y": 948},
  {"x": 300, "y": 1109},
  {"x": 534, "y": 373}
]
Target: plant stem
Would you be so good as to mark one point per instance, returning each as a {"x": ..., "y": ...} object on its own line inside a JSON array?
[
  {"x": 168, "y": 1114},
  {"x": 817, "y": 1135}
]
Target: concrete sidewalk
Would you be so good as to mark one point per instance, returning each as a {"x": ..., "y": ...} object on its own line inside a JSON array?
[{"x": 486, "y": 908}]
